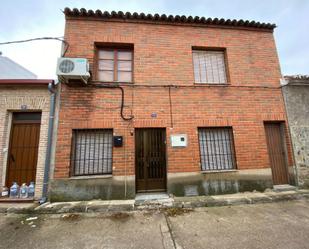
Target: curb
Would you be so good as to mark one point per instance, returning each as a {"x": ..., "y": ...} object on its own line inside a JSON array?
[
  {"x": 98, "y": 206},
  {"x": 239, "y": 199}
]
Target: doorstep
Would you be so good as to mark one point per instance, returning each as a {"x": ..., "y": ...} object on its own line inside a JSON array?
[
  {"x": 283, "y": 187},
  {"x": 16, "y": 200},
  {"x": 153, "y": 200},
  {"x": 100, "y": 206}
]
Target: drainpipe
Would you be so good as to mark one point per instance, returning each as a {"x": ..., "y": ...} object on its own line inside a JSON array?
[{"x": 53, "y": 91}]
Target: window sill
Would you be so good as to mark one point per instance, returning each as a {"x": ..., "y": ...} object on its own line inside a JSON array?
[
  {"x": 112, "y": 82},
  {"x": 218, "y": 171},
  {"x": 91, "y": 177},
  {"x": 211, "y": 84}
]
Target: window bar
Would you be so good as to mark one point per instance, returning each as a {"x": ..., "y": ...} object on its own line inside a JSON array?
[
  {"x": 232, "y": 149},
  {"x": 225, "y": 151},
  {"x": 222, "y": 153},
  {"x": 80, "y": 142},
  {"x": 103, "y": 143},
  {"x": 228, "y": 145},
  {"x": 74, "y": 143},
  {"x": 226, "y": 157},
  {"x": 88, "y": 161},
  {"x": 81, "y": 155},
  {"x": 87, "y": 152},
  {"x": 100, "y": 169},
  {"x": 205, "y": 155},
  {"x": 93, "y": 158},
  {"x": 213, "y": 148},
  {"x": 207, "y": 143},
  {"x": 218, "y": 133},
  {"x": 107, "y": 157},
  {"x": 203, "y": 149},
  {"x": 75, "y": 155},
  {"x": 222, "y": 149}
]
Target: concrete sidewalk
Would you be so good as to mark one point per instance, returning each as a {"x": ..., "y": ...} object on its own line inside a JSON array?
[
  {"x": 277, "y": 225},
  {"x": 176, "y": 202}
]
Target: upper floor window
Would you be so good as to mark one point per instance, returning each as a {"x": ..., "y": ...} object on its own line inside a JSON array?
[
  {"x": 115, "y": 65},
  {"x": 209, "y": 66}
]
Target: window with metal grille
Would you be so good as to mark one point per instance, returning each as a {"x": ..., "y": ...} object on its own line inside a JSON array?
[
  {"x": 115, "y": 65},
  {"x": 209, "y": 66},
  {"x": 217, "y": 148},
  {"x": 92, "y": 152}
]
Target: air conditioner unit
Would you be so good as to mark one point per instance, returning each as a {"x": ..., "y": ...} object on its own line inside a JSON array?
[{"x": 73, "y": 69}]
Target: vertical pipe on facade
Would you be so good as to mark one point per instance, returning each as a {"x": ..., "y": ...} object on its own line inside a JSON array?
[{"x": 52, "y": 90}]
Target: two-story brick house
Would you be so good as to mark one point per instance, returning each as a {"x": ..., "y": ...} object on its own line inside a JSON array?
[{"x": 183, "y": 105}]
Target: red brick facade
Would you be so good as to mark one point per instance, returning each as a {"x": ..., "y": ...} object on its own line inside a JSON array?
[{"x": 163, "y": 63}]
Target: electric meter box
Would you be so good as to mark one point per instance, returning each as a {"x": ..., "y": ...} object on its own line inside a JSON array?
[{"x": 179, "y": 140}]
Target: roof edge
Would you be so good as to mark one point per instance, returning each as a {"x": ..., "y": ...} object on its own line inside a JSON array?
[
  {"x": 296, "y": 80},
  {"x": 26, "y": 81},
  {"x": 166, "y": 18}
]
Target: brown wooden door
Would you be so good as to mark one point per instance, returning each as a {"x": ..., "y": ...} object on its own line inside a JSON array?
[
  {"x": 23, "y": 149},
  {"x": 150, "y": 159},
  {"x": 276, "y": 151}
]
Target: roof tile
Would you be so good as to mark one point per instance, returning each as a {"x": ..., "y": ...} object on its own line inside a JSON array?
[{"x": 164, "y": 18}]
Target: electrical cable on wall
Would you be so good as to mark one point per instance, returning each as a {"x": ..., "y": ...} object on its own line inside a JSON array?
[
  {"x": 102, "y": 85},
  {"x": 39, "y": 39}
]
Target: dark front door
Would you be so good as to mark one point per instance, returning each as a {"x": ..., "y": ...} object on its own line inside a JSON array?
[
  {"x": 150, "y": 160},
  {"x": 276, "y": 151},
  {"x": 23, "y": 148}
]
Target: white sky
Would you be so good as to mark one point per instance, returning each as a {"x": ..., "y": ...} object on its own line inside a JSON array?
[{"x": 24, "y": 19}]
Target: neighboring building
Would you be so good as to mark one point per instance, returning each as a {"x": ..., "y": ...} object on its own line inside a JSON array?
[
  {"x": 12, "y": 70},
  {"x": 203, "y": 111},
  {"x": 296, "y": 95},
  {"x": 24, "y": 121}
]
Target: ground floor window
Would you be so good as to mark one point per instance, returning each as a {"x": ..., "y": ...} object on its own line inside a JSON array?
[
  {"x": 217, "y": 148},
  {"x": 92, "y": 152}
]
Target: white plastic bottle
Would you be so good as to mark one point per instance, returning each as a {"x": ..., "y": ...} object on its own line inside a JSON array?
[
  {"x": 14, "y": 190},
  {"x": 23, "y": 192},
  {"x": 31, "y": 190}
]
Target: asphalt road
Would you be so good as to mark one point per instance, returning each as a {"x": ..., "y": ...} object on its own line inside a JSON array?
[{"x": 275, "y": 225}]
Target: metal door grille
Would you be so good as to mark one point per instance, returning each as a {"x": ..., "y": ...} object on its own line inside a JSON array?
[
  {"x": 217, "y": 149},
  {"x": 150, "y": 159},
  {"x": 92, "y": 152}
]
